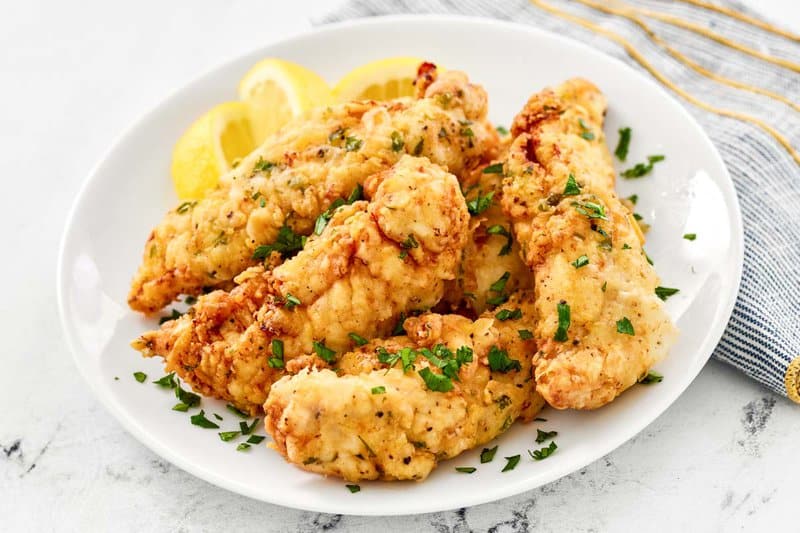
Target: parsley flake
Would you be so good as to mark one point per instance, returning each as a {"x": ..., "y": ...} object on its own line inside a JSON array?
[
  {"x": 665, "y": 292},
  {"x": 227, "y": 436},
  {"x": 237, "y": 412},
  {"x": 690, "y": 236},
  {"x": 480, "y": 203},
  {"x": 542, "y": 436},
  {"x": 353, "y": 488},
  {"x": 287, "y": 244},
  {"x": 497, "y": 229},
  {"x": 502, "y": 130},
  {"x": 174, "y": 315},
  {"x": 436, "y": 382},
  {"x": 543, "y": 453},
  {"x": 507, "y": 314},
  {"x": 352, "y": 144},
  {"x": 242, "y": 447},
  {"x": 487, "y": 455},
  {"x": 324, "y": 353},
  {"x": 625, "y": 327},
  {"x": 140, "y": 376},
  {"x": 651, "y": 377},
  {"x": 466, "y": 469},
  {"x": 581, "y": 261},
  {"x": 571, "y": 188},
  {"x": 624, "y": 142},
  {"x": 291, "y": 301},
  {"x": 563, "y": 321},
  {"x": 397, "y": 141},
  {"x": 168, "y": 381},
  {"x": 511, "y": 463},
  {"x": 642, "y": 169},
  {"x": 525, "y": 334},
  {"x": 358, "y": 339},
  {"x": 379, "y": 390},
  {"x": 499, "y": 361},
  {"x": 200, "y": 420},
  {"x": 496, "y": 168}
]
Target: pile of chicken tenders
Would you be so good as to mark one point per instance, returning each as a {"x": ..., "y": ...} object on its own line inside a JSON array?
[{"x": 393, "y": 283}]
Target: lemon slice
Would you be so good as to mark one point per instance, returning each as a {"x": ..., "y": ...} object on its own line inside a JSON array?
[
  {"x": 379, "y": 80},
  {"x": 276, "y": 91},
  {"x": 210, "y": 147}
]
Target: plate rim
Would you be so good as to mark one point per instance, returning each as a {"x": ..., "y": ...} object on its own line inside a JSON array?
[{"x": 133, "y": 427}]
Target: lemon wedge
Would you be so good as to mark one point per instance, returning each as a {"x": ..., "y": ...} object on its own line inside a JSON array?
[
  {"x": 276, "y": 91},
  {"x": 210, "y": 147},
  {"x": 384, "y": 79}
]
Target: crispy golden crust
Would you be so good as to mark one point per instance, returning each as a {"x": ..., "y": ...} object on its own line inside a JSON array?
[
  {"x": 336, "y": 425},
  {"x": 372, "y": 262},
  {"x": 487, "y": 256},
  {"x": 596, "y": 363},
  {"x": 297, "y": 173}
]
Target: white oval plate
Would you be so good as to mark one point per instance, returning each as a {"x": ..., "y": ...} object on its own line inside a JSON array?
[{"x": 130, "y": 190}]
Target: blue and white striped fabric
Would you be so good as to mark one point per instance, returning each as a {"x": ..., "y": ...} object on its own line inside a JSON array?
[{"x": 763, "y": 336}]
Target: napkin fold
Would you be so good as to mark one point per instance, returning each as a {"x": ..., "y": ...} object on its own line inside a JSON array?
[{"x": 762, "y": 338}]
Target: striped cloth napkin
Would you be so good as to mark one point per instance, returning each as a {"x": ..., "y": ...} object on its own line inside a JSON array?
[{"x": 763, "y": 336}]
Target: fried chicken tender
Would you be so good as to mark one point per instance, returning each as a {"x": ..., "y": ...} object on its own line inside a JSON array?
[
  {"x": 593, "y": 282},
  {"x": 371, "y": 263},
  {"x": 375, "y": 421},
  {"x": 299, "y": 172},
  {"x": 491, "y": 257}
]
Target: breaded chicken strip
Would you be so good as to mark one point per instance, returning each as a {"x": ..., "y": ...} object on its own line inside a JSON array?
[
  {"x": 380, "y": 419},
  {"x": 373, "y": 262},
  {"x": 491, "y": 267},
  {"x": 298, "y": 173},
  {"x": 600, "y": 325}
]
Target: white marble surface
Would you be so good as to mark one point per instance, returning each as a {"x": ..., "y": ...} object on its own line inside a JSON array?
[{"x": 73, "y": 76}]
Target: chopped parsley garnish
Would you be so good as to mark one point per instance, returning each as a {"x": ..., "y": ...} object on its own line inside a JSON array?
[
  {"x": 324, "y": 353},
  {"x": 248, "y": 428},
  {"x": 323, "y": 219},
  {"x": 418, "y": 147},
  {"x": 379, "y": 390},
  {"x": 502, "y": 130},
  {"x": 466, "y": 469},
  {"x": 226, "y": 436},
  {"x": 185, "y": 207},
  {"x": 487, "y": 455},
  {"x": 256, "y": 439},
  {"x": 499, "y": 361},
  {"x": 586, "y": 133},
  {"x": 353, "y": 488},
  {"x": 464, "y": 355},
  {"x": 543, "y": 453},
  {"x": 397, "y": 142},
  {"x": 500, "y": 284},
  {"x": 542, "y": 436},
  {"x": 480, "y": 203},
  {"x": 291, "y": 301},
  {"x": 276, "y": 361},
  {"x": 496, "y": 168},
  {"x": 666, "y": 292},
  {"x": 263, "y": 166},
  {"x": 336, "y": 135},
  {"x": 511, "y": 463},
  {"x": 642, "y": 169},
  {"x": 633, "y": 198},
  {"x": 651, "y": 377},
  {"x": 190, "y": 300},
  {"x": 398, "y": 328},
  {"x": 591, "y": 210},
  {"x": 624, "y": 142},
  {"x": 563, "y": 321},
  {"x": 287, "y": 244},
  {"x": 358, "y": 339},
  {"x": 184, "y": 396},
  {"x": 218, "y": 417},
  {"x": 625, "y": 246},
  {"x": 200, "y": 420},
  {"x": 625, "y": 327},
  {"x": 497, "y": 229},
  {"x": 352, "y": 144},
  {"x": 690, "y": 236},
  {"x": 168, "y": 381},
  {"x": 242, "y": 447},
  {"x": 581, "y": 261},
  {"x": 604, "y": 286},
  {"x": 237, "y": 412},
  {"x": 367, "y": 446},
  {"x": 525, "y": 334},
  {"x": 180, "y": 406},
  {"x": 571, "y": 188},
  {"x": 637, "y": 217},
  {"x": 467, "y": 132},
  {"x": 436, "y": 382},
  {"x": 140, "y": 376},
  {"x": 649, "y": 259},
  {"x": 507, "y": 314},
  {"x": 499, "y": 287},
  {"x": 175, "y": 314}
]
